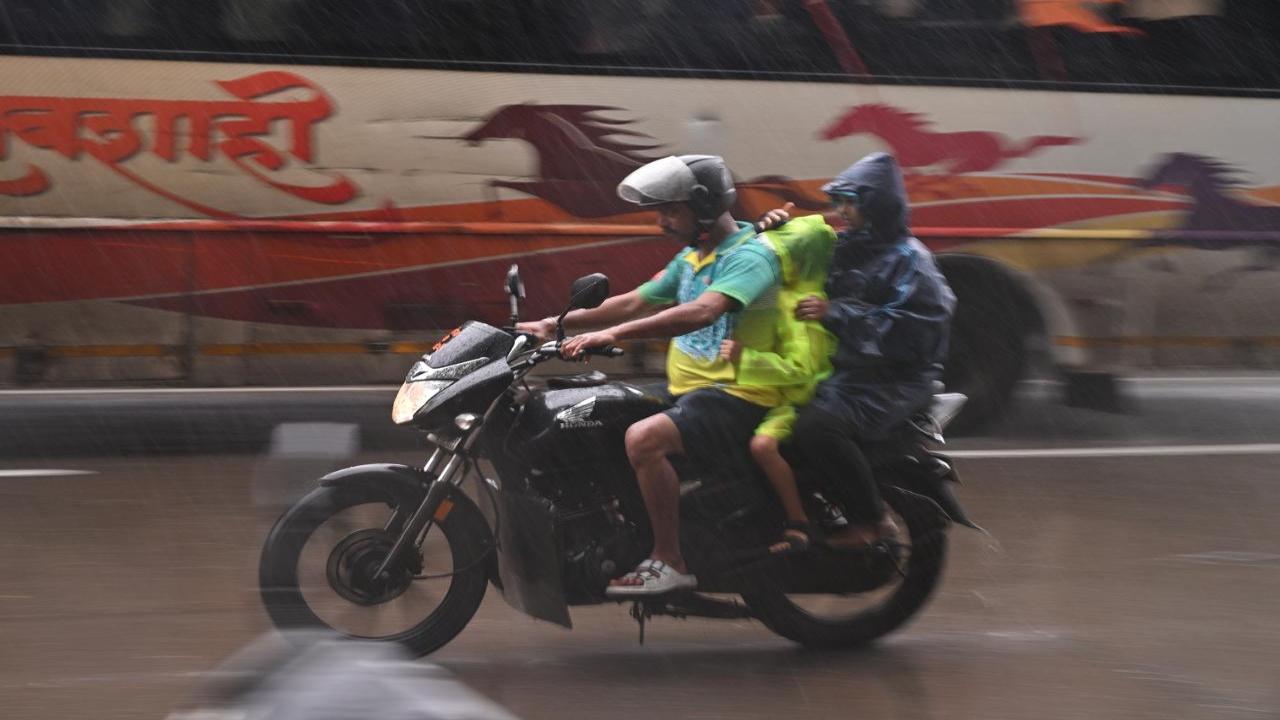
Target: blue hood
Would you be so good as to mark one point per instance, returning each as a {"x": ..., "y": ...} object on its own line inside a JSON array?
[{"x": 882, "y": 195}]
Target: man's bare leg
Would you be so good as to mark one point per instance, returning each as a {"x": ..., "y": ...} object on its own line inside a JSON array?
[{"x": 649, "y": 443}]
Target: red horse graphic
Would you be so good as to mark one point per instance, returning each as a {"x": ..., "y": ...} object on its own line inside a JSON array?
[
  {"x": 583, "y": 155},
  {"x": 916, "y": 146}
]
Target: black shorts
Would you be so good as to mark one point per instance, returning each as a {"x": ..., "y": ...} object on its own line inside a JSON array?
[{"x": 715, "y": 427}]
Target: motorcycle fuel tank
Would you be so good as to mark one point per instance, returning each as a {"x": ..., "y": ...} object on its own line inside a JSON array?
[{"x": 581, "y": 423}]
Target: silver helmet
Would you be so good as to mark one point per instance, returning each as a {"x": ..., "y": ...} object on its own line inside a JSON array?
[{"x": 702, "y": 181}]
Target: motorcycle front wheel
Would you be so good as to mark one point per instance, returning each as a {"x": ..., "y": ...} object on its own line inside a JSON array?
[
  {"x": 834, "y": 621},
  {"x": 319, "y": 568}
]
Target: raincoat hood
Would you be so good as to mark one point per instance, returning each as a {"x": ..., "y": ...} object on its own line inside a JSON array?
[{"x": 882, "y": 195}]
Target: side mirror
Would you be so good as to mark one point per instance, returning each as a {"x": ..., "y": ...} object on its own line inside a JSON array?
[
  {"x": 515, "y": 292},
  {"x": 585, "y": 293},
  {"x": 588, "y": 291}
]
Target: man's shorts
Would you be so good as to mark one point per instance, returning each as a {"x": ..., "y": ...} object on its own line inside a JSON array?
[
  {"x": 715, "y": 427},
  {"x": 779, "y": 423}
]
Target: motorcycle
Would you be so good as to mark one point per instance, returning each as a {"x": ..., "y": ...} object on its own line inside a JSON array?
[{"x": 404, "y": 554}]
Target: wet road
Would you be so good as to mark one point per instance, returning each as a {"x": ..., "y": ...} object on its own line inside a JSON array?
[{"x": 1131, "y": 585}]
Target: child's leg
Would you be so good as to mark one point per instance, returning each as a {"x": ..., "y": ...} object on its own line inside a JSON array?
[
  {"x": 776, "y": 428},
  {"x": 764, "y": 449}
]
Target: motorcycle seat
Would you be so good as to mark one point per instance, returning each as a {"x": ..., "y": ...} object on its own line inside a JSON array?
[{"x": 581, "y": 380}]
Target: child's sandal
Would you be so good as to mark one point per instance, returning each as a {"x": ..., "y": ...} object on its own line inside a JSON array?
[{"x": 797, "y": 536}]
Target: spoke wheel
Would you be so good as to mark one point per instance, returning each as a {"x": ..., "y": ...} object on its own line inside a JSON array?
[
  {"x": 320, "y": 569},
  {"x": 895, "y": 580}
]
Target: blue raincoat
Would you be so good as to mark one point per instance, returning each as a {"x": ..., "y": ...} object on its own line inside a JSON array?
[{"x": 890, "y": 308}]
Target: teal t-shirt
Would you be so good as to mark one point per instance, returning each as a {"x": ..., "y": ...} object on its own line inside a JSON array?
[{"x": 741, "y": 268}]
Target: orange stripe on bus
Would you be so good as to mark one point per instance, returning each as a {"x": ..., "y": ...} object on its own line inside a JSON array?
[
  {"x": 418, "y": 348},
  {"x": 223, "y": 350},
  {"x": 350, "y": 348},
  {"x": 85, "y": 351},
  {"x": 408, "y": 348},
  {"x": 1167, "y": 341}
]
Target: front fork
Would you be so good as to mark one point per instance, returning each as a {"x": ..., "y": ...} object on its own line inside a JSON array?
[{"x": 423, "y": 516}]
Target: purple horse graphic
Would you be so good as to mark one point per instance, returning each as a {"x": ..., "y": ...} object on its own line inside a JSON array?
[
  {"x": 1215, "y": 211},
  {"x": 1209, "y": 182},
  {"x": 583, "y": 154}
]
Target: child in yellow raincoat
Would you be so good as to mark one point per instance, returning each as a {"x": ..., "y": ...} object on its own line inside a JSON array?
[{"x": 804, "y": 247}]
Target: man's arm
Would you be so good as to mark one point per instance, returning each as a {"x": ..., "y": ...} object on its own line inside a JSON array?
[
  {"x": 746, "y": 275},
  {"x": 677, "y": 320},
  {"x": 618, "y": 308}
]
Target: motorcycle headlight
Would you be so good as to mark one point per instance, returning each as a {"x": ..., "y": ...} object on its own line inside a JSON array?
[
  {"x": 425, "y": 382},
  {"x": 412, "y": 396}
]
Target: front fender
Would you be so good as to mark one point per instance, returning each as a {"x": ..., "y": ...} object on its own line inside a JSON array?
[{"x": 408, "y": 486}]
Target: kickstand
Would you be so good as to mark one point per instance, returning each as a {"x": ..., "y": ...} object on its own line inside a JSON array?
[{"x": 640, "y": 611}]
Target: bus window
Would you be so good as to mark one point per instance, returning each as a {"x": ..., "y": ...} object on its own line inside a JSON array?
[
  {"x": 341, "y": 27},
  {"x": 939, "y": 39},
  {"x": 1158, "y": 43},
  {"x": 259, "y": 21},
  {"x": 52, "y": 22},
  {"x": 1207, "y": 43},
  {"x": 742, "y": 36},
  {"x": 127, "y": 24}
]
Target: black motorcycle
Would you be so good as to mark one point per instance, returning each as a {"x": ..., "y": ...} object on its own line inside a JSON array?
[{"x": 404, "y": 554}]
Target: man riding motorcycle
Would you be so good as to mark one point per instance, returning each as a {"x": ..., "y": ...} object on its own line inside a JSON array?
[{"x": 719, "y": 287}]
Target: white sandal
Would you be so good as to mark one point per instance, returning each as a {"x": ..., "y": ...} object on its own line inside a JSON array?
[{"x": 656, "y": 578}]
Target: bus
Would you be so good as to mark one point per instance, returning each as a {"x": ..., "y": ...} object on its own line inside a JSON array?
[{"x": 246, "y": 192}]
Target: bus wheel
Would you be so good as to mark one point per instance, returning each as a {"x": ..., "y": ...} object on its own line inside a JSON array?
[{"x": 988, "y": 351}]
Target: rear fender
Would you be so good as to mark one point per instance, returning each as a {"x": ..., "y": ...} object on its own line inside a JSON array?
[{"x": 932, "y": 475}]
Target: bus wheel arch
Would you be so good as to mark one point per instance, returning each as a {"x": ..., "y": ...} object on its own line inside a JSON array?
[{"x": 999, "y": 331}]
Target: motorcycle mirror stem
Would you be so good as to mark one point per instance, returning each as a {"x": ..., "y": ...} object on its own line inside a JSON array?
[{"x": 515, "y": 292}]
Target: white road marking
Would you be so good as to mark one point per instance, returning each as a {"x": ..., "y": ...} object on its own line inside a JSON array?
[
  {"x": 43, "y": 472},
  {"x": 1231, "y": 556},
  {"x": 1267, "y": 382},
  {"x": 200, "y": 391},
  {"x": 1128, "y": 451},
  {"x": 1157, "y": 379}
]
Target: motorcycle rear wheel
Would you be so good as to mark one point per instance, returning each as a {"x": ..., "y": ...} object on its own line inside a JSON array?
[{"x": 796, "y": 618}]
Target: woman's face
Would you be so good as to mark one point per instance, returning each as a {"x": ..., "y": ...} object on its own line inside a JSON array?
[{"x": 846, "y": 206}]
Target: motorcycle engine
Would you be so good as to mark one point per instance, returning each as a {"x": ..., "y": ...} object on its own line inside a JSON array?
[{"x": 599, "y": 545}]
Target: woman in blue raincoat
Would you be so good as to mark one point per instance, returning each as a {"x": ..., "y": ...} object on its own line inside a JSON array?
[{"x": 890, "y": 310}]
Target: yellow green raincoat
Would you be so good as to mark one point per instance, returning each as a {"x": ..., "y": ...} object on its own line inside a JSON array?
[{"x": 804, "y": 247}]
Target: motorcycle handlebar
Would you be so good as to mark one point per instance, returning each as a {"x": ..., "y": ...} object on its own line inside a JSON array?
[
  {"x": 607, "y": 351},
  {"x": 552, "y": 349}
]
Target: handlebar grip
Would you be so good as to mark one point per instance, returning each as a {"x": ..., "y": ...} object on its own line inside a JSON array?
[{"x": 608, "y": 351}]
